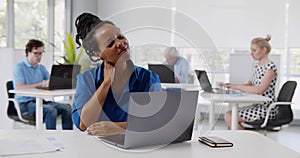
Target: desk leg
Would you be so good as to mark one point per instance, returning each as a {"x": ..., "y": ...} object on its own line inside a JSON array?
[
  {"x": 234, "y": 117},
  {"x": 39, "y": 113},
  {"x": 211, "y": 120}
]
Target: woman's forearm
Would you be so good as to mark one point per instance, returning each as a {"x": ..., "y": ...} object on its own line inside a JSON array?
[{"x": 92, "y": 109}]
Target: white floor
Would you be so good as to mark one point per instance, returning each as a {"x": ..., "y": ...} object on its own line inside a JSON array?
[{"x": 288, "y": 136}]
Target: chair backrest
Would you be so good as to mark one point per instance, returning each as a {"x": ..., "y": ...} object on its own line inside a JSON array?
[
  {"x": 11, "y": 110},
  {"x": 286, "y": 93}
]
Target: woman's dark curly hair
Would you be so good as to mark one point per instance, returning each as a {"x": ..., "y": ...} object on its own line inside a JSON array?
[{"x": 84, "y": 23}]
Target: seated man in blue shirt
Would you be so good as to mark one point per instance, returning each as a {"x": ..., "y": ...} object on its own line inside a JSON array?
[
  {"x": 31, "y": 74},
  {"x": 182, "y": 70},
  {"x": 102, "y": 93}
]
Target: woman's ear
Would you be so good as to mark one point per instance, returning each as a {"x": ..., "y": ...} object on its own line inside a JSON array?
[
  {"x": 264, "y": 50},
  {"x": 97, "y": 54},
  {"x": 100, "y": 56}
]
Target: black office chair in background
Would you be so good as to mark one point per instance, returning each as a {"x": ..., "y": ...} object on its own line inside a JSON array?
[
  {"x": 285, "y": 113},
  {"x": 13, "y": 108}
]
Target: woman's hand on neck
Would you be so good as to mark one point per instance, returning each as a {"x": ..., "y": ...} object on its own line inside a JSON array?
[{"x": 109, "y": 72}]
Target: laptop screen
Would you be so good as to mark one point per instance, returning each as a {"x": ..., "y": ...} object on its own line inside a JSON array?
[
  {"x": 64, "y": 76},
  {"x": 203, "y": 80},
  {"x": 165, "y": 72}
]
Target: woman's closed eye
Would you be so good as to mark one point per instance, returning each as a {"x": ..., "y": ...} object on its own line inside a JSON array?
[
  {"x": 111, "y": 44},
  {"x": 120, "y": 37}
]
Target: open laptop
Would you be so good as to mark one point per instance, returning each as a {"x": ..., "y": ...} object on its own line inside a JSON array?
[
  {"x": 206, "y": 85},
  {"x": 63, "y": 77},
  {"x": 165, "y": 72},
  {"x": 156, "y": 118}
]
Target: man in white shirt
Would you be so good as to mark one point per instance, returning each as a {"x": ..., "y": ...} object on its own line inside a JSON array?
[{"x": 182, "y": 69}]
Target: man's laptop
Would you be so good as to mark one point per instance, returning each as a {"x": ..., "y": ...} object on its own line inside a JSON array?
[
  {"x": 206, "y": 85},
  {"x": 165, "y": 72},
  {"x": 63, "y": 77},
  {"x": 156, "y": 118}
]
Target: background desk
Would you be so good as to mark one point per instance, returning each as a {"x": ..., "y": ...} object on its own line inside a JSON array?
[
  {"x": 40, "y": 94},
  {"x": 183, "y": 86},
  {"x": 247, "y": 144},
  {"x": 234, "y": 100}
]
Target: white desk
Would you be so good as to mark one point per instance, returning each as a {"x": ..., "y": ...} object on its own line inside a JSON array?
[
  {"x": 40, "y": 94},
  {"x": 247, "y": 144},
  {"x": 183, "y": 86},
  {"x": 234, "y": 100}
]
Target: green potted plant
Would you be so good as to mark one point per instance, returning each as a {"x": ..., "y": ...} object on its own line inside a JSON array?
[{"x": 71, "y": 56}]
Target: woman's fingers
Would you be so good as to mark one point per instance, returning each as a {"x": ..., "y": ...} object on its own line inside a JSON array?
[
  {"x": 109, "y": 71},
  {"x": 104, "y": 128}
]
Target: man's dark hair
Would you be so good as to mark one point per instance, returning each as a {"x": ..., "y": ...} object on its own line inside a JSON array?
[{"x": 33, "y": 44}]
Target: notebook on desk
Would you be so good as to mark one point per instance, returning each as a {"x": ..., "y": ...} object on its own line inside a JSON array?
[
  {"x": 62, "y": 77},
  {"x": 206, "y": 85},
  {"x": 165, "y": 72},
  {"x": 156, "y": 118}
]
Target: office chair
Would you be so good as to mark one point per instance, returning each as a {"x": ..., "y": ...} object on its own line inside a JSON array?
[
  {"x": 285, "y": 113},
  {"x": 13, "y": 108}
]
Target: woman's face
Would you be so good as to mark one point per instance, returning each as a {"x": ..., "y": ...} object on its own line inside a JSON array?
[
  {"x": 112, "y": 44},
  {"x": 258, "y": 53}
]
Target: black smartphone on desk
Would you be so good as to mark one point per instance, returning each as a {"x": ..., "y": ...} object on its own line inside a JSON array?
[{"x": 214, "y": 141}]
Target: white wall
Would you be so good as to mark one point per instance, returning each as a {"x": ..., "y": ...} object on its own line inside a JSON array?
[
  {"x": 7, "y": 57},
  {"x": 233, "y": 23},
  {"x": 80, "y": 6},
  {"x": 294, "y": 23},
  {"x": 142, "y": 21},
  {"x": 229, "y": 24}
]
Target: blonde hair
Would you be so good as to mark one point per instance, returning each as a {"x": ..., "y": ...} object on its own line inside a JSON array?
[{"x": 262, "y": 42}]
